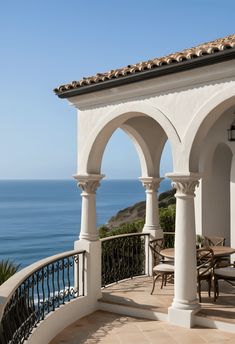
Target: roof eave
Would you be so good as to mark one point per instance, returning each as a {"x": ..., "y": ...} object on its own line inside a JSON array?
[{"x": 177, "y": 67}]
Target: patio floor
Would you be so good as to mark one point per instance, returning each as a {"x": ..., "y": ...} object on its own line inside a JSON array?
[
  {"x": 136, "y": 293},
  {"x": 105, "y": 327},
  {"x": 109, "y": 328}
]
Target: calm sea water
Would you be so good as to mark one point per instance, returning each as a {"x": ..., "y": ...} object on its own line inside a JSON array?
[{"x": 41, "y": 218}]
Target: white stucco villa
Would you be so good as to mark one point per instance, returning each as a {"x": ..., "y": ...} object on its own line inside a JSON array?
[{"x": 187, "y": 98}]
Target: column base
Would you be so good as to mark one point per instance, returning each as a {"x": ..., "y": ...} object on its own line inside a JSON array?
[
  {"x": 89, "y": 237},
  {"x": 155, "y": 231},
  {"x": 92, "y": 275},
  {"x": 183, "y": 316}
]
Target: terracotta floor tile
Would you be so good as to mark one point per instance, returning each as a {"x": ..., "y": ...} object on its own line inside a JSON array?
[
  {"x": 150, "y": 325},
  {"x": 132, "y": 338},
  {"x": 159, "y": 336},
  {"x": 127, "y": 328},
  {"x": 215, "y": 336},
  {"x": 187, "y": 338}
]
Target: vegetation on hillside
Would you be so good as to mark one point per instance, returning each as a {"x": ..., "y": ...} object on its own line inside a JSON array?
[
  {"x": 167, "y": 223},
  {"x": 134, "y": 227},
  {"x": 136, "y": 212}
]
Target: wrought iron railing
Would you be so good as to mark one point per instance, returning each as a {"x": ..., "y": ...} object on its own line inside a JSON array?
[
  {"x": 44, "y": 290},
  {"x": 124, "y": 256},
  {"x": 169, "y": 239}
]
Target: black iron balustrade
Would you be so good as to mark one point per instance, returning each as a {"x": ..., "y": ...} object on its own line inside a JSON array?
[
  {"x": 47, "y": 288},
  {"x": 124, "y": 256},
  {"x": 169, "y": 239}
]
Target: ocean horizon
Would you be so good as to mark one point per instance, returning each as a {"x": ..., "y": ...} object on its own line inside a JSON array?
[{"x": 39, "y": 218}]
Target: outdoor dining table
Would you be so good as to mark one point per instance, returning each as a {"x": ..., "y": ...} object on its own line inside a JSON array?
[{"x": 219, "y": 251}]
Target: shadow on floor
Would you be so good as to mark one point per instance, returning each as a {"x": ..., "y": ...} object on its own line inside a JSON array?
[{"x": 93, "y": 329}]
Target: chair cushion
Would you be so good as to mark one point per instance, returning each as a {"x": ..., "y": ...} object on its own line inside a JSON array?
[
  {"x": 225, "y": 272},
  {"x": 164, "y": 268},
  {"x": 169, "y": 261}
]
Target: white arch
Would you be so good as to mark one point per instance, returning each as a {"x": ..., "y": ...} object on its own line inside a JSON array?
[
  {"x": 203, "y": 120},
  {"x": 91, "y": 155},
  {"x": 146, "y": 163},
  {"x": 216, "y": 186}
]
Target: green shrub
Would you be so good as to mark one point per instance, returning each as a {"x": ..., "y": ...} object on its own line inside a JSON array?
[
  {"x": 167, "y": 218},
  {"x": 7, "y": 269},
  {"x": 103, "y": 231},
  {"x": 134, "y": 227}
]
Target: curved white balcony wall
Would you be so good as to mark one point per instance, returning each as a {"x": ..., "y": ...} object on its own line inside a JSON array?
[
  {"x": 66, "y": 314},
  {"x": 62, "y": 317}
]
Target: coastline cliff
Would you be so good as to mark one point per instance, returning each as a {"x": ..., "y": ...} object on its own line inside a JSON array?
[{"x": 137, "y": 211}]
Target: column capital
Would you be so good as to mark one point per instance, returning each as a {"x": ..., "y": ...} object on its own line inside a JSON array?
[
  {"x": 89, "y": 182},
  {"x": 151, "y": 183},
  {"x": 184, "y": 184}
]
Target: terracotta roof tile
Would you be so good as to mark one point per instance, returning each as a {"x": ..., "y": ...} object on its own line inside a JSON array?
[{"x": 208, "y": 48}]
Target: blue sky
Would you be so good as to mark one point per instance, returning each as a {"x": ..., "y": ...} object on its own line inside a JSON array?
[{"x": 47, "y": 43}]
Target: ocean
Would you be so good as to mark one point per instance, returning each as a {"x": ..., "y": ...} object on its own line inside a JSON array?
[{"x": 39, "y": 218}]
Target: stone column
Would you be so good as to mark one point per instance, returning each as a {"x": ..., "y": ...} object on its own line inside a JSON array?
[
  {"x": 88, "y": 184},
  {"x": 152, "y": 225},
  {"x": 89, "y": 241},
  {"x": 185, "y": 302}
]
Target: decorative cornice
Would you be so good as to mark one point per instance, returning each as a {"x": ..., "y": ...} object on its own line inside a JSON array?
[{"x": 151, "y": 183}]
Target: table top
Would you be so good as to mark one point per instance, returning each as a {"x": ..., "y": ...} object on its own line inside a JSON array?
[{"x": 219, "y": 251}]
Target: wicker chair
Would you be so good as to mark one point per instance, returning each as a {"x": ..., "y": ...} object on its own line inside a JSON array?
[
  {"x": 205, "y": 268},
  {"x": 161, "y": 268}
]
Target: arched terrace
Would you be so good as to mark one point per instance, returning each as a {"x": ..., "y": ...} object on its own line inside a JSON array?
[{"x": 149, "y": 131}]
